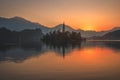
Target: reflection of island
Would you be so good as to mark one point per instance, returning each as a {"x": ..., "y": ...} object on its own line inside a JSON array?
[
  {"x": 63, "y": 49},
  {"x": 23, "y": 52}
]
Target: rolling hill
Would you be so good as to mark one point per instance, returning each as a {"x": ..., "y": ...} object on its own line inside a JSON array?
[{"x": 19, "y": 24}]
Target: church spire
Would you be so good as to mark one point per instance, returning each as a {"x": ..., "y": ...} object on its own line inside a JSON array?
[{"x": 63, "y": 29}]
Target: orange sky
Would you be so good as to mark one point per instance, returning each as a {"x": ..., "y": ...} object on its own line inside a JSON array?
[{"x": 84, "y": 14}]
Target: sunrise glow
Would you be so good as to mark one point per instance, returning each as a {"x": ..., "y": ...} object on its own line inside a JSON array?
[
  {"x": 88, "y": 28},
  {"x": 79, "y": 14}
]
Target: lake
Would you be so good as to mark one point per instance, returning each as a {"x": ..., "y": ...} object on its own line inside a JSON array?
[{"x": 91, "y": 60}]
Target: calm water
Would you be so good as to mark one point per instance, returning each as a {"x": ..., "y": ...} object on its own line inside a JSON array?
[{"x": 88, "y": 61}]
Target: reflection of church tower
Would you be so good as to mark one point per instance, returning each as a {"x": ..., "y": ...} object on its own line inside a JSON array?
[
  {"x": 63, "y": 28},
  {"x": 63, "y": 51}
]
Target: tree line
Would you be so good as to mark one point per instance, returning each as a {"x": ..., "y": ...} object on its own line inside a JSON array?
[
  {"x": 13, "y": 37},
  {"x": 60, "y": 37}
]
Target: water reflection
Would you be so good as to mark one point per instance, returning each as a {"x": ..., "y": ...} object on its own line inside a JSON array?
[
  {"x": 20, "y": 53},
  {"x": 63, "y": 49},
  {"x": 113, "y": 45},
  {"x": 86, "y": 61}
]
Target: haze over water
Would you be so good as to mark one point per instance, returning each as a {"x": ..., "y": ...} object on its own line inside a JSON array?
[{"x": 88, "y": 61}]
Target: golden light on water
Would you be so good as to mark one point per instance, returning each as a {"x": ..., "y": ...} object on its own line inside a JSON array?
[{"x": 88, "y": 62}]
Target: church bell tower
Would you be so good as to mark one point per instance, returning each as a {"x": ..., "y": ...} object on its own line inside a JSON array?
[{"x": 63, "y": 28}]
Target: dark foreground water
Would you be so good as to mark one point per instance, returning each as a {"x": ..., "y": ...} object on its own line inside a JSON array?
[{"x": 88, "y": 61}]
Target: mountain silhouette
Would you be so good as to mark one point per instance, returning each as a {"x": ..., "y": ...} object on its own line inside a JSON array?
[
  {"x": 112, "y": 35},
  {"x": 59, "y": 27},
  {"x": 108, "y": 36},
  {"x": 19, "y": 24}
]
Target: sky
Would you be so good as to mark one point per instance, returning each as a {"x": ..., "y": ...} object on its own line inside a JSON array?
[{"x": 96, "y": 15}]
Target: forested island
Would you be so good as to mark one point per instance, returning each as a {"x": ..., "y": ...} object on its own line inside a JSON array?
[{"x": 62, "y": 37}]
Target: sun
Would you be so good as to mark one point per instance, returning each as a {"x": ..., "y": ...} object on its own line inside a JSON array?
[{"x": 88, "y": 27}]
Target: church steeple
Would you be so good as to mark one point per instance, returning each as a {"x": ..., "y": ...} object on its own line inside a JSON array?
[{"x": 63, "y": 28}]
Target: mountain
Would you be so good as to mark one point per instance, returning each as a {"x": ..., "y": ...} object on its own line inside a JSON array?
[
  {"x": 59, "y": 27},
  {"x": 92, "y": 33},
  {"x": 83, "y": 33},
  {"x": 108, "y": 36},
  {"x": 112, "y": 35},
  {"x": 19, "y": 24},
  {"x": 114, "y": 29}
]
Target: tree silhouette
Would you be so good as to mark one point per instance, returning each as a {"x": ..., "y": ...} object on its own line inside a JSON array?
[{"x": 62, "y": 37}]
